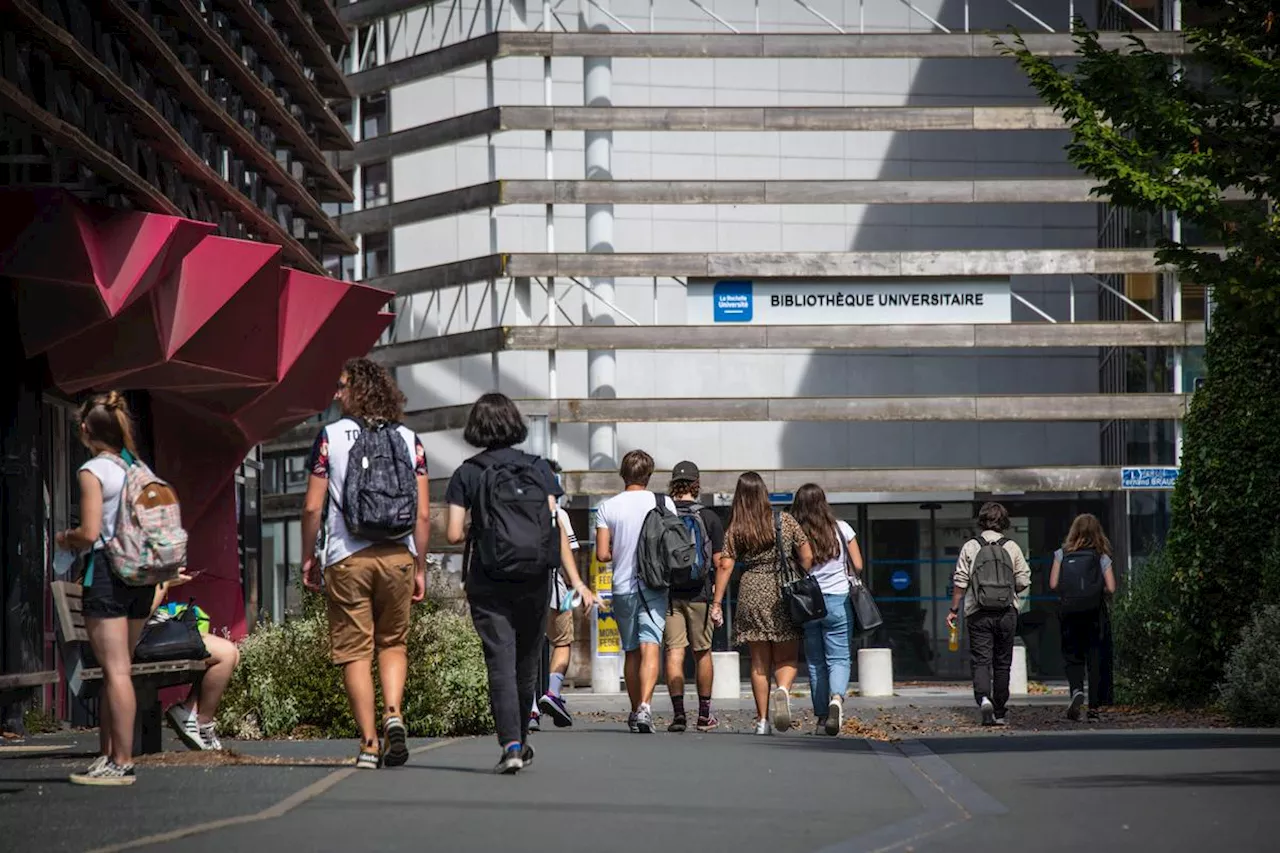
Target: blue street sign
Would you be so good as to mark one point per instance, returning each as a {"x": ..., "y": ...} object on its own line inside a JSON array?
[
  {"x": 900, "y": 580},
  {"x": 1158, "y": 477}
]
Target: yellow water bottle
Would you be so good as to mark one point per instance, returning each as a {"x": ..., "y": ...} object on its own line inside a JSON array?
[{"x": 953, "y": 642}]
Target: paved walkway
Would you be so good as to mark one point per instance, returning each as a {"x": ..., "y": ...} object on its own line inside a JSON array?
[{"x": 598, "y": 788}]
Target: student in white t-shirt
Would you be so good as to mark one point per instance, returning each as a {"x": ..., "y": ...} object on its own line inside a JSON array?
[
  {"x": 641, "y": 612},
  {"x": 836, "y": 559}
]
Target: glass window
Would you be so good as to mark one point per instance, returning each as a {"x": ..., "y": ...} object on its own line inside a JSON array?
[
  {"x": 337, "y": 208},
  {"x": 377, "y": 255},
  {"x": 375, "y": 119},
  {"x": 341, "y": 266},
  {"x": 376, "y": 179}
]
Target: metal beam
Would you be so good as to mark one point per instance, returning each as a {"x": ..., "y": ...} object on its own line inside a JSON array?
[
  {"x": 492, "y": 46},
  {"x": 952, "y": 336},
  {"x": 979, "y": 262},
  {"x": 361, "y": 12}
]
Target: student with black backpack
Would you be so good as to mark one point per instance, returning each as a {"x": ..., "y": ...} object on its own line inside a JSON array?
[
  {"x": 990, "y": 573},
  {"x": 513, "y": 545},
  {"x": 368, "y": 492},
  {"x": 1082, "y": 576}
]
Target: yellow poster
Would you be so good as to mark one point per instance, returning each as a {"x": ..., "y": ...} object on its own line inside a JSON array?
[
  {"x": 608, "y": 642},
  {"x": 601, "y": 576}
]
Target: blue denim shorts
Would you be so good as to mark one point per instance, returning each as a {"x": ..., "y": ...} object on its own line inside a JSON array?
[{"x": 640, "y": 619}]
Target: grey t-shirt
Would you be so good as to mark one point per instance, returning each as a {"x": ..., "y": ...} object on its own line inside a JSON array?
[{"x": 1106, "y": 560}]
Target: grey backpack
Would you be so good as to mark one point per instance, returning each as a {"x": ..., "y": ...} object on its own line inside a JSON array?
[
  {"x": 666, "y": 547},
  {"x": 380, "y": 493},
  {"x": 992, "y": 578}
]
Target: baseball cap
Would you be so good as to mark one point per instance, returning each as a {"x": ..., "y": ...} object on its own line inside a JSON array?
[{"x": 684, "y": 471}]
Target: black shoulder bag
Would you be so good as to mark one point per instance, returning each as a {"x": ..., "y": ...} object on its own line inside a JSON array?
[
  {"x": 865, "y": 611},
  {"x": 803, "y": 595}
]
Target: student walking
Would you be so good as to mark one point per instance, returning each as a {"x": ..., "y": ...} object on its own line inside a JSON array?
[
  {"x": 118, "y": 589},
  {"x": 762, "y": 619},
  {"x": 826, "y": 640},
  {"x": 512, "y": 546},
  {"x": 559, "y": 628},
  {"x": 689, "y": 622},
  {"x": 640, "y": 610},
  {"x": 368, "y": 491},
  {"x": 990, "y": 573},
  {"x": 1083, "y": 577}
]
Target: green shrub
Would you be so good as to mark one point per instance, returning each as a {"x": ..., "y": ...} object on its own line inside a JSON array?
[
  {"x": 1251, "y": 683},
  {"x": 1144, "y": 624},
  {"x": 286, "y": 686}
]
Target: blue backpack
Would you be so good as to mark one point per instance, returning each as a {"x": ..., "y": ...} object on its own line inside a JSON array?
[{"x": 694, "y": 576}]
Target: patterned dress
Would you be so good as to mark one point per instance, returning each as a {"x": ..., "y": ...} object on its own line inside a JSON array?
[{"x": 762, "y": 615}]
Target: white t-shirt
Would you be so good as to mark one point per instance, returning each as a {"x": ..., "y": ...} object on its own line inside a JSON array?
[
  {"x": 111, "y": 476},
  {"x": 623, "y": 515},
  {"x": 561, "y": 587},
  {"x": 833, "y": 575}
]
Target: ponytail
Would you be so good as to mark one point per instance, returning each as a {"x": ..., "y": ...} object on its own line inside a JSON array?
[{"x": 107, "y": 421}]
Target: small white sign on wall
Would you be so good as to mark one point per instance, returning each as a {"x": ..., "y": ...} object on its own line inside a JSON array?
[{"x": 801, "y": 302}]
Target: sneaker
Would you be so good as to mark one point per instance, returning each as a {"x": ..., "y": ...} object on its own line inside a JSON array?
[
  {"x": 706, "y": 724},
  {"x": 368, "y": 759},
  {"x": 535, "y": 722},
  {"x": 835, "y": 716},
  {"x": 1077, "y": 702},
  {"x": 185, "y": 726},
  {"x": 526, "y": 754},
  {"x": 781, "y": 710},
  {"x": 104, "y": 772},
  {"x": 644, "y": 720},
  {"x": 553, "y": 706},
  {"x": 512, "y": 761},
  {"x": 395, "y": 750},
  {"x": 631, "y": 722},
  {"x": 820, "y": 726},
  {"x": 1001, "y": 721},
  {"x": 763, "y": 727},
  {"x": 1093, "y": 716},
  {"x": 209, "y": 734},
  {"x": 678, "y": 723},
  {"x": 988, "y": 712}
]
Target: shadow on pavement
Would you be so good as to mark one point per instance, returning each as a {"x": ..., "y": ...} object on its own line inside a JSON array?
[
  {"x": 1211, "y": 779},
  {"x": 1116, "y": 741}
]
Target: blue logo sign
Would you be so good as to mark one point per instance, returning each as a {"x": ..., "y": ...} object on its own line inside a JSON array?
[
  {"x": 732, "y": 302},
  {"x": 781, "y": 497},
  {"x": 900, "y": 580},
  {"x": 1162, "y": 477}
]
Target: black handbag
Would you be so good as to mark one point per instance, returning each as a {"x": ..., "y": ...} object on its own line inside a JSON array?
[
  {"x": 803, "y": 595},
  {"x": 166, "y": 638},
  {"x": 865, "y": 611}
]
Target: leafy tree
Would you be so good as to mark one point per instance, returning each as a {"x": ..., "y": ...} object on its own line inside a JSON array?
[{"x": 1197, "y": 134}]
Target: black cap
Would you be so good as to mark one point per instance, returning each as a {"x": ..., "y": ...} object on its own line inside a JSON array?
[{"x": 684, "y": 471}]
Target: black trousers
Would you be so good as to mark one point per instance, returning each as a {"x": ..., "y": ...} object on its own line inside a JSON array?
[
  {"x": 991, "y": 637},
  {"x": 511, "y": 619},
  {"x": 1082, "y": 650}
]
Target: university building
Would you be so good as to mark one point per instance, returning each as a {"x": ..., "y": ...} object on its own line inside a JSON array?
[
  {"x": 166, "y": 203},
  {"x": 828, "y": 240}
]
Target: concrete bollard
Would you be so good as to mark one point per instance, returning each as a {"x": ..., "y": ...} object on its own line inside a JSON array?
[
  {"x": 875, "y": 672},
  {"x": 728, "y": 677},
  {"x": 606, "y": 674},
  {"x": 1018, "y": 673}
]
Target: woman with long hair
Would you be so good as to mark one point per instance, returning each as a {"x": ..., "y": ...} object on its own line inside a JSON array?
[
  {"x": 762, "y": 619},
  {"x": 1082, "y": 571},
  {"x": 826, "y": 640},
  {"x": 114, "y": 612}
]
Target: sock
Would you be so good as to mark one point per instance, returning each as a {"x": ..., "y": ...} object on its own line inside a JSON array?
[
  {"x": 557, "y": 680},
  {"x": 515, "y": 744},
  {"x": 677, "y": 705},
  {"x": 704, "y": 707}
]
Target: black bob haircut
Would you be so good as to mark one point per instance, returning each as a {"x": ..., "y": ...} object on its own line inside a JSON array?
[{"x": 494, "y": 422}]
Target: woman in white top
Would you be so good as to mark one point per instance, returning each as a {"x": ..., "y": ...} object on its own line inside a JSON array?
[
  {"x": 114, "y": 612},
  {"x": 826, "y": 640}
]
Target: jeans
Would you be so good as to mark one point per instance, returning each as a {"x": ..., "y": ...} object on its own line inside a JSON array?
[
  {"x": 991, "y": 636},
  {"x": 826, "y": 651},
  {"x": 511, "y": 620},
  {"x": 1081, "y": 649}
]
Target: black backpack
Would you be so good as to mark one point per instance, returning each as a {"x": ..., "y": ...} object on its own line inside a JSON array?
[
  {"x": 666, "y": 547},
  {"x": 380, "y": 493},
  {"x": 693, "y": 577},
  {"x": 992, "y": 578},
  {"x": 1080, "y": 583},
  {"x": 514, "y": 535}
]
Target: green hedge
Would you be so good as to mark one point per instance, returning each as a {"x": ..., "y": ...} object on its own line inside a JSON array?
[
  {"x": 285, "y": 685},
  {"x": 1251, "y": 686}
]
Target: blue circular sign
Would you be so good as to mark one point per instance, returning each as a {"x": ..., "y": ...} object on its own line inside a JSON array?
[{"x": 900, "y": 580}]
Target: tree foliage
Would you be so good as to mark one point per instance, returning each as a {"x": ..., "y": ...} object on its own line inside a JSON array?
[{"x": 1198, "y": 135}]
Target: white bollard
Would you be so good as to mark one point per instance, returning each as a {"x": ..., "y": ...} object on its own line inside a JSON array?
[
  {"x": 728, "y": 678},
  {"x": 606, "y": 674},
  {"x": 875, "y": 672},
  {"x": 1018, "y": 674}
]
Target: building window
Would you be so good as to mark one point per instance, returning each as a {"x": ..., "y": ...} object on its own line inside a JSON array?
[
  {"x": 342, "y": 109},
  {"x": 341, "y": 266},
  {"x": 367, "y": 41},
  {"x": 285, "y": 475},
  {"x": 337, "y": 208},
  {"x": 376, "y": 180},
  {"x": 375, "y": 117},
  {"x": 377, "y": 255}
]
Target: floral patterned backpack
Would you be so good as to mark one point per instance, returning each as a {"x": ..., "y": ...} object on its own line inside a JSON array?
[{"x": 149, "y": 545}]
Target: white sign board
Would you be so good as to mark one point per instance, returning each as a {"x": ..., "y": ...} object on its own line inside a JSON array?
[{"x": 800, "y": 302}]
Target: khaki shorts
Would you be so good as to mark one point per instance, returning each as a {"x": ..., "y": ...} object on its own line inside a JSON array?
[
  {"x": 369, "y": 594},
  {"x": 560, "y": 627},
  {"x": 688, "y": 624}
]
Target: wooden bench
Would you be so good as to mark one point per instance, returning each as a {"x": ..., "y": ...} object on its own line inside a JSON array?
[
  {"x": 15, "y": 686},
  {"x": 148, "y": 678}
]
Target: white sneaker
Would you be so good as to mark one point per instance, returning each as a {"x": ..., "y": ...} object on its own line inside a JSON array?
[
  {"x": 185, "y": 726},
  {"x": 835, "y": 716},
  {"x": 763, "y": 727},
  {"x": 209, "y": 734},
  {"x": 644, "y": 720},
  {"x": 988, "y": 712},
  {"x": 781, "y": 710}
]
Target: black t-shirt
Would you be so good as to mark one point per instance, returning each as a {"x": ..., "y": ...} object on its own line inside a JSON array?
[
  {"x": 462, "y": 487},
  {"x": 715, "y": 530}
]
